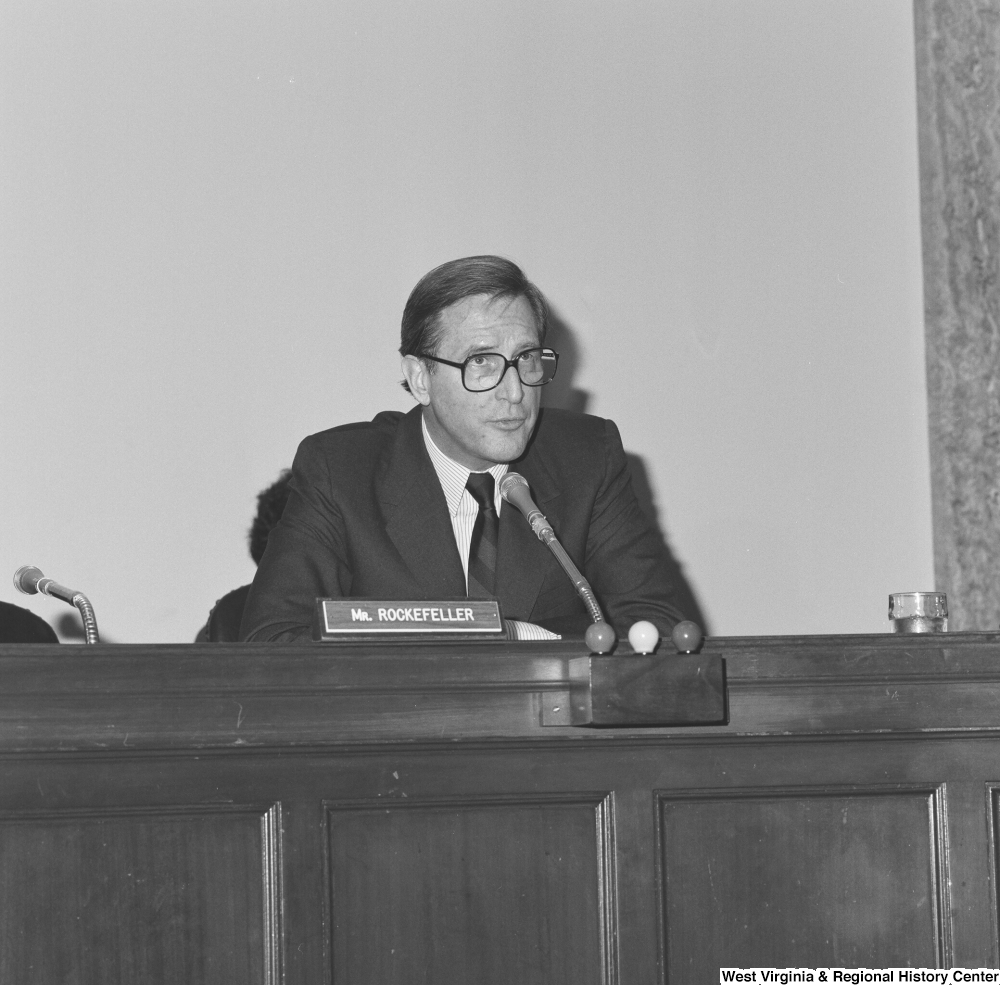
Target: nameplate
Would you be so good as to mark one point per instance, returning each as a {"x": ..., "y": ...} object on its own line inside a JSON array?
[{"x": 343, "y": 618}]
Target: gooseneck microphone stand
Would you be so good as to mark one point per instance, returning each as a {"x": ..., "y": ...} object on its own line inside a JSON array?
[
  {"x": 514, "y": 489},
  {"x": 30, "y": 581}
]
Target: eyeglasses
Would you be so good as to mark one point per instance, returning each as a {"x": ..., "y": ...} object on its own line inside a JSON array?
[{"x": 486, "y": 370}]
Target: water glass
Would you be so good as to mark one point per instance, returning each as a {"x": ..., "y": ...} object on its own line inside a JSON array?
[{"x": 919, "y": 612}]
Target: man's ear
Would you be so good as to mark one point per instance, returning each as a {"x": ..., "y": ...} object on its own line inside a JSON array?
[{"x": 415, "y": 371}]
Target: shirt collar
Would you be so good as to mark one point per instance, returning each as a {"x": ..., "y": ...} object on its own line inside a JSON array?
[{"x": 453, "y": 476}]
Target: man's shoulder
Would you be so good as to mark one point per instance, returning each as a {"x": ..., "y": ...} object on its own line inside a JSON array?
[
  {"x": 572, "y": 445},
  {"x": 353, "y": 455},
  {"x": 361, "y": 436},
  {"x": 560, "y": 428}
]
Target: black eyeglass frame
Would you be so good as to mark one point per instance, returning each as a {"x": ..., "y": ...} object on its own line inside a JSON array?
[{"x": 507, "y": 365}]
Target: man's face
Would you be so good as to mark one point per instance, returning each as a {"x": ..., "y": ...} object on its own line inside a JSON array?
[{"x": 478, "y": 430}]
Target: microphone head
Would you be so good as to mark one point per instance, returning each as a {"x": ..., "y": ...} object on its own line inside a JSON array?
[
  {"x": 509, "y": 483},
  {"x": 26, "y": 579}
]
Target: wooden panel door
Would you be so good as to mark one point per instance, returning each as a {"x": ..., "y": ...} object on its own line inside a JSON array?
[
  {"x": 804, "y": 877},
  {"x": 165, "y": 895},
  {"x": 510, "y": 890}
]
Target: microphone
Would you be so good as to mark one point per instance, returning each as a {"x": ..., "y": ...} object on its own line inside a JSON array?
[
  {"x": 600, "y": 637},
  {"x": 29, "y": 580},
  {"x": 514, "y": 490}
]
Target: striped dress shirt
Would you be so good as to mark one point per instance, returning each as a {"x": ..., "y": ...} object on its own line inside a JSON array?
[{"x": 462, "y": 507}]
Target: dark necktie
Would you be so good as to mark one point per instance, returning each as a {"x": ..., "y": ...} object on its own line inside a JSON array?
[{"x": 483, "y": 549}]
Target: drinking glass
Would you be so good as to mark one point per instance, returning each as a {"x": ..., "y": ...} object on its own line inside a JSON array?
[{"x": 919, "y": 612}]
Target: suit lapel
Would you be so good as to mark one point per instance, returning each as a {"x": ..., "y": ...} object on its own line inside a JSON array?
[
  {"x": 418, "y": 524},
  {"x": 416, "y": 512},
  {"x": 523, "y": 559}
]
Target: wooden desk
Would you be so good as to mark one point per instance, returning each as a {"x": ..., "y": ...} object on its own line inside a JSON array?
[{"x": 308, "y": 814}]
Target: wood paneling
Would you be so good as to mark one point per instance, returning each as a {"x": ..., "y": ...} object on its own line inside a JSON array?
[
  {"x": 510, "y": 891},
  {"x": 312, "y": 814},
  {"x": 800, "y": 877},
  {"x": 158, "y": 895}
]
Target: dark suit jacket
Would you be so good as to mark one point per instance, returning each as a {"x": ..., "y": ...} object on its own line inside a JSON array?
[
  {"x": 224, "y": 620},
  {"x": 367, "y": 518}
]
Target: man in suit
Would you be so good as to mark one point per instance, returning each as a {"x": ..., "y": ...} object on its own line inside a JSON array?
[{"x": 407, "y": 506}]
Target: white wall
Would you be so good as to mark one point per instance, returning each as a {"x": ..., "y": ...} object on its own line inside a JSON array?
[{"x": 212, "y": 213}]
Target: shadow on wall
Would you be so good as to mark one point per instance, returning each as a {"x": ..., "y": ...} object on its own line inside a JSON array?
[
  {"x": 561, "y": 393},
  {"x": 69, "y": 629}
]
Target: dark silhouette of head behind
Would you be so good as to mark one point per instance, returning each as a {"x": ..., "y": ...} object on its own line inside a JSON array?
[{"x": 223, "y": 624}]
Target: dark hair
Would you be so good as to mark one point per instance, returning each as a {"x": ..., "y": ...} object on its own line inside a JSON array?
[
  {"x": 454, "y": 281},
  {"x": 270, "y": 506}
]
